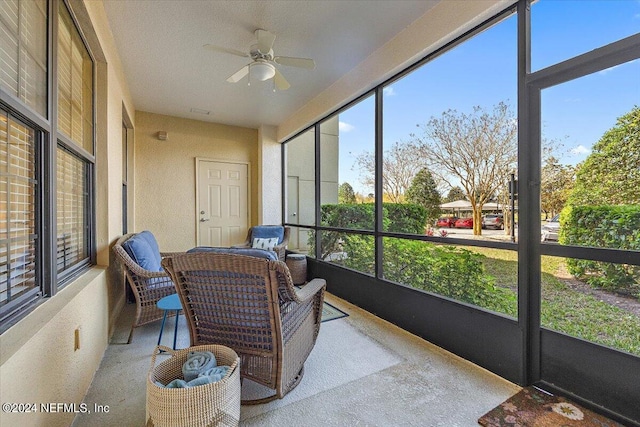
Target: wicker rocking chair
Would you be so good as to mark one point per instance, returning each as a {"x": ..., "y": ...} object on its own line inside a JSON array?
[
  {"x": 250, "y": 305},
  {"x": 148, "y": 286}
]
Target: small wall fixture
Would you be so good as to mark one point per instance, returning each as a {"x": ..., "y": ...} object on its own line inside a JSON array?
[{"x": 162, "y": 135}]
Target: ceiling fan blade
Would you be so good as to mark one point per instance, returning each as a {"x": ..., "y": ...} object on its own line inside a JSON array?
[
  {"x": 238, "y": 75},
  {"x": 307, "y": 63},
  {"x": 265, "y": 40},
  {"x": 280, "y": 82},
  {"x": 225, "y": 50}
]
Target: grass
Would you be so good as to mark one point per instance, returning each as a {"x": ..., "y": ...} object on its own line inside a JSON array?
[{"x": 564, "y": 309}]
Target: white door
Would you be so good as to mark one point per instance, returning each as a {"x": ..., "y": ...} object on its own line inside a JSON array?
[{"x": 223, "y": 194}]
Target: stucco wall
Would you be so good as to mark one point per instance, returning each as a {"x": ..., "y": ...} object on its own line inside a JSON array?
[
  {"x": 38, "y": 363},
  {"x": 37, "y": 356},
  {"x": 329, "y": 165},
  {"x": 165, "y": 172},
  {"x": 269, "y": 176}
]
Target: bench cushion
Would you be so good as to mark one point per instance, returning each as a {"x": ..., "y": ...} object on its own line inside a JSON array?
[{"x": 258, "y": 253}]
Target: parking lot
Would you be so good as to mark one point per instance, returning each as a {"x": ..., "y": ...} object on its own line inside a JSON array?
[{"x": 467, "y": 233}]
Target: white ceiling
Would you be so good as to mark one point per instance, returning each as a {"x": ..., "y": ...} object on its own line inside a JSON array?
[{"x": 169, "y": 72}]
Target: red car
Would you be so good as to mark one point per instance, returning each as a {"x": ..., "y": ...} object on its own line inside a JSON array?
[
  {"x": 447, "y": 221},
  {"x": 464, "y": 223}
]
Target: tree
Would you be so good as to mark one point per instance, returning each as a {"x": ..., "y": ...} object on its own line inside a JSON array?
[
  {"x": 555, "y": 187},
  {"x": 611, "y": 173},
  {"x": 346, "y": 193},
  {"x": 423, "y": 191},
  {"x": 477, "y": 150},
  {"x": 399, "y": 165},
  {"x": 456, "y": 193}
]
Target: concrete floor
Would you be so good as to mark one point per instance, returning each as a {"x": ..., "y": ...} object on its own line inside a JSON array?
[{"x": 362, "y": 372}]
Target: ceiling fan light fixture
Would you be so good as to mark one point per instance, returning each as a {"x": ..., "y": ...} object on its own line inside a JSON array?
[{"x": 262, "y": 70}]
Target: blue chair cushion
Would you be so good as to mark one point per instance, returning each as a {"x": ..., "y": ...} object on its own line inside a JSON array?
[
  {"x": 142, "y": 252},
  {"x": 258, "y": 253},
  {"x": 151, "y": 240},
  {"x": 267, "y": 232}
]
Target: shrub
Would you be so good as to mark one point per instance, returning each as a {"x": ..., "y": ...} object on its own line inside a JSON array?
[
  {"x": 355, "y": 216},
  {"x": 404, "y": 218},
  {"x": 452, "y": 272},
  {"x": 396, "y": 217},
  {"x": 603, "y": 227}
]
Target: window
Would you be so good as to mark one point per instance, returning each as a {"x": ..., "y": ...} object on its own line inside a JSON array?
[
  {"x": 23, "y": 52},
  {"x": 46, "y": 166},
  {"x": 75, "y": 84},
  {"x": 555, "y": 37},
  {"x": 18, "y": 233},
  {"x": 450, "y": 135},
  {"x": 347, "y": 146},
  {"x": 72, "y": 210},
  {"x": 75, "y": 123}
]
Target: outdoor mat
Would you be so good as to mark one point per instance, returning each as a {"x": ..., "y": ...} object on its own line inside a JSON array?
[
  {"x": 534, "y": 408},
  {"x": 330, "y": 312}
]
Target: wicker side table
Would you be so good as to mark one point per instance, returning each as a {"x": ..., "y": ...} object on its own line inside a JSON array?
[{"x": 297, "y": 264}]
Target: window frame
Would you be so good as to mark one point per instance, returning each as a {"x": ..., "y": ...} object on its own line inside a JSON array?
[{"x": 48, "y": 139}]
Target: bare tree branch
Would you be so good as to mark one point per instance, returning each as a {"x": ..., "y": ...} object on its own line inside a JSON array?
[{"x": 477, "y": 149}]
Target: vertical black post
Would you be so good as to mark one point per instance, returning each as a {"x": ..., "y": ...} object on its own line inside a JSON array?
[
  {"x": 318, "y": 177},
  {"x": 379, "y": 273},
  {"x": 513, "y": 193},
  {"x": 528, "y": 203}
]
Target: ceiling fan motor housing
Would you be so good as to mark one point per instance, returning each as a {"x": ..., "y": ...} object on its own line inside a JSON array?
[{"x": 256, "y": 54}]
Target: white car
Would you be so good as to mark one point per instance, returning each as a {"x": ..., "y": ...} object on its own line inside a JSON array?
[{"x": 551, "y": 229}]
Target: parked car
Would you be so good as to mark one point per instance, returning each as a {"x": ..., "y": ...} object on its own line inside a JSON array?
[
  {"x": 464, "y": 223},
  {"x": 551, "y": 229},
  {"x": 446, "y": 221},
  {"x": 495, "y": 221}
]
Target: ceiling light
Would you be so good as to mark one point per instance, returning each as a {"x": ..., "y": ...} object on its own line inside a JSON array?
[{"x": 262, "y": 70}]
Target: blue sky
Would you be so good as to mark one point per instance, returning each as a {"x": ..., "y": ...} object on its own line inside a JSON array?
[{"x": 482, "y": 71}]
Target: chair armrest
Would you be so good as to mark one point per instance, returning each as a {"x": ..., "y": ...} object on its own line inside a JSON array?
[
  {"x": 310, "y": 290},
  {"x": 169, "y": 254},
  {"x": 281, "y": 251}
]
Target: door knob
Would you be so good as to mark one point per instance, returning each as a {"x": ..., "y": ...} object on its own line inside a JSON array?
[
  {"x": 294, "y": 214},
  {"x": 204, "y": 219}
]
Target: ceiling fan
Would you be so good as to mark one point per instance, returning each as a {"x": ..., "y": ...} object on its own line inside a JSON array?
[{"x": 263, "y": 67}]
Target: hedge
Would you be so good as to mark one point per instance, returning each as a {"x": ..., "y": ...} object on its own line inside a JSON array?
[
  {"x": 603, "y": 226},
  {"x": 396, "y": 217},
  {"x": 452, "y": 272},
  {"x": 448, "y": 271}
]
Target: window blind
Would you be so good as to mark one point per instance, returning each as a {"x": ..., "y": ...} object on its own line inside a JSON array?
[
  {"x": 17, "y": 209},
  {"x": 75, "y": 84},
  {"x": 72, "y": 199},
  {"x": 23, "y": 51}
]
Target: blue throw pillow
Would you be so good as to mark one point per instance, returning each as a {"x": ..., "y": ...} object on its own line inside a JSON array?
[
  {"x": 141, "y": 252},
  {"x": 268, "y": 232},
  {"x": 151, "y": 240}
]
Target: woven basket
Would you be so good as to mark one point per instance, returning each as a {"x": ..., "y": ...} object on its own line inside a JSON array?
[
  {"x": 215, "y": 404},
  {"x": 297, "y": 264}
]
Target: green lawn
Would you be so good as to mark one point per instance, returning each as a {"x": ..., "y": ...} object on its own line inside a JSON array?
[{"x": 564, "y": 309}]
